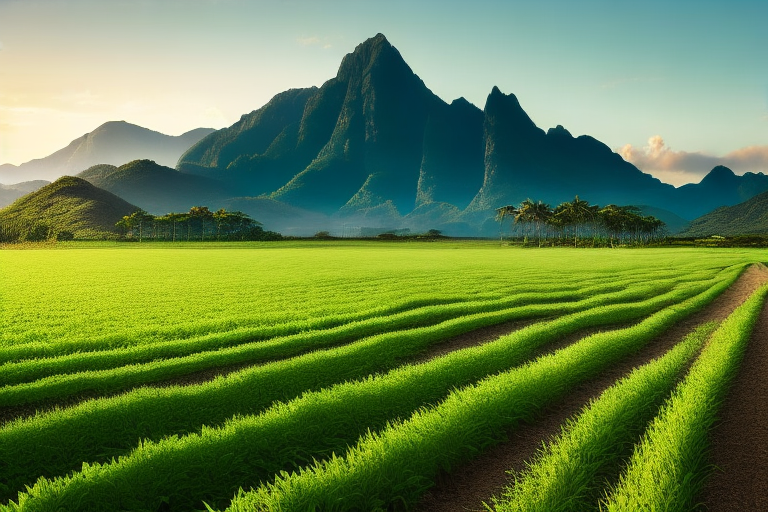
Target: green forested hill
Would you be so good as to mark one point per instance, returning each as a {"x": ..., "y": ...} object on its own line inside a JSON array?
[
  {"x": 747, "y": 218},
  {"x": 67, "y": 205},
  {"x": 156, "y": 188}
]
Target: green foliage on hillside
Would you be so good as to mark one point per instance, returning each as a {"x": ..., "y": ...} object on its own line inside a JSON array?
[
  {"x": 69, "y": 207},
  {"x": 156, "y": 188},
  {"x": 747, "y": 218}
]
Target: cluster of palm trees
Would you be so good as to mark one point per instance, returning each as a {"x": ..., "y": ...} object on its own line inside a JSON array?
[
  {"x": 199, "y": 223},
  {"x": 577, "y": 220}
]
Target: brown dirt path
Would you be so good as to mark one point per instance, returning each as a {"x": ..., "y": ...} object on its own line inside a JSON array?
[
  {"x": 467, "y": 489},
  {"x": 739, "y": 441}
]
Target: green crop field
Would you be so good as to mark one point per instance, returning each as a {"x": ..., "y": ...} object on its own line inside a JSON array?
[{"x": 338, "y": 389}]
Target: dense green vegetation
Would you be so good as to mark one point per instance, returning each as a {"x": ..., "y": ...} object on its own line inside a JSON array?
[
  {"x": 573, "y": 222},
  {"x": 199, "y": 223},
  {"x": 569, "y": 473},
  {"x": 67, "y": 208},
  {"x": 667, "y": 468},
  {"x": 333, "y": 338},
  {"x": 747, "y": 218},
  {"x": 395, "y": 466}
]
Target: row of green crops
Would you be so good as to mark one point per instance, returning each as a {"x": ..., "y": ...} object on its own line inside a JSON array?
[
  {"x": 329, "y": 331},
  {"x": 210, "y": 466},
  {"x": 570, "y": 472},
  {"x": 131, "y": 375},
  {"x": 54, "y": 441},
  {"x": 277, "y": 347},
  {"x": 395, "y": 466},
  {"x": 668, "y": 467},
  {"x": 114, "y": 298}
]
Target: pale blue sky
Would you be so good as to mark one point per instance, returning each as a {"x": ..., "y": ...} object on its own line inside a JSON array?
[{"x": 693, "y": 73}]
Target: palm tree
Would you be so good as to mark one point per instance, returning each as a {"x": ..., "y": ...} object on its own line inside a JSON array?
[
  {"x": 576, "y": 213},
  {"x": 501, "y": 214},
  {"x": 537, "y": 213}
]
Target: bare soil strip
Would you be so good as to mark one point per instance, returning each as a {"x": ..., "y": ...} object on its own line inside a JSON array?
[
  {"x": 467, "y": 488},
  {"x": 739, "y": 442}
]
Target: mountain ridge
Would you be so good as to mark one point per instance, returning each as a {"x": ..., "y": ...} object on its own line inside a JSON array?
[
  {"x": 374, "y": 146},
  {"x": 113, "y": 142},
  {"x": 390, "y": 147}
]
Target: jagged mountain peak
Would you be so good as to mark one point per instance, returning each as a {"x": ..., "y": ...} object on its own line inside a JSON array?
[
  {"x": 559, "y": 131},
  {"x": 508, "y": 106},
  {"x": 374, "y": 52}
]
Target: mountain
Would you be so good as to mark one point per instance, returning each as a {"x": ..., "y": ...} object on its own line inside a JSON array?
[
  {"x": 355, "y": 143},
  {"x": 720, "y": 187},
  {"x": 10, "y": 193},
  {"x": 156, "y": 188},
  {"x": 747, "y": 218},
  {"x": 68, "y": 204},
  {"x": 522, "y": 161},
  {"x": 375, "y": 145},
  {"x": 114, "y": 142}
]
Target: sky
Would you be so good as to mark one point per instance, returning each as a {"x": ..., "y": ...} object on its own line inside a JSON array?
[{"x": 674, "y": 86}]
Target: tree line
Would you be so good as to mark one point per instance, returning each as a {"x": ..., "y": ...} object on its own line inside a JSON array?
[
  {"x": 577, "y": 222},
  {"x": 199, "y": 223}
]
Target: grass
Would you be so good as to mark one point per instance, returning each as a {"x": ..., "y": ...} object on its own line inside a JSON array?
[
  {"x": 669, "y": 465},
  {"x": 318, "y": 318},
  {"x": 570, "y": 472},
  {"x": 392, "y": 468}
]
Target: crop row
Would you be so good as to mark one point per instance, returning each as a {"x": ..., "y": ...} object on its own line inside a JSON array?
[
  {"x": 121, "y": 298},
  {"x": 396, "y": 465},
  {"x": 260, "y": 347},
  {"x": 82, "y": 300},
  {"x": 396, "y": 345},
  {"x": 569, "y": 472},
  {"x": 210, "y": 465},
  {"x": 668, "y": 467},
  {"x": 228, "y": 334},
  {"x": 59, "y": 441}
]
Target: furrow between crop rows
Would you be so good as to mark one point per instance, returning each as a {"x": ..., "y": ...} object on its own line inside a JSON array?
[
  {"x": 396, "y": 465},
  {"x": 223, "y": 454},
  {"x": 28, "y": 370},
  {"x": 128, "y": 376}
]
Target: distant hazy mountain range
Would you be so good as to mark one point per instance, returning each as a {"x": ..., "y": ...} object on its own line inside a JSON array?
[
  {"x": 10, "y": 193},
  {"x": 374, "y": 147},
  {"x": 115, "y": 142}
]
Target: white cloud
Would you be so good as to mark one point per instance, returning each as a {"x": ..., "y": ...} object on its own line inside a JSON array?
[
  {"x": 680, "y": 167},
  {"x": 314, "y": 41}
]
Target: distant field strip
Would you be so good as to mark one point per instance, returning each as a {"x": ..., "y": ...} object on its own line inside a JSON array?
[
  {"x": 325, "y": 334},
  {"x": 30, "y": 369},
  {"x": 62, "y": 383}
]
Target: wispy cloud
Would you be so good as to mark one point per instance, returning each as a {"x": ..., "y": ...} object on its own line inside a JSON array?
[
  {"x": 314, "y": 41},
  {"x": 679, "y": 167}
]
